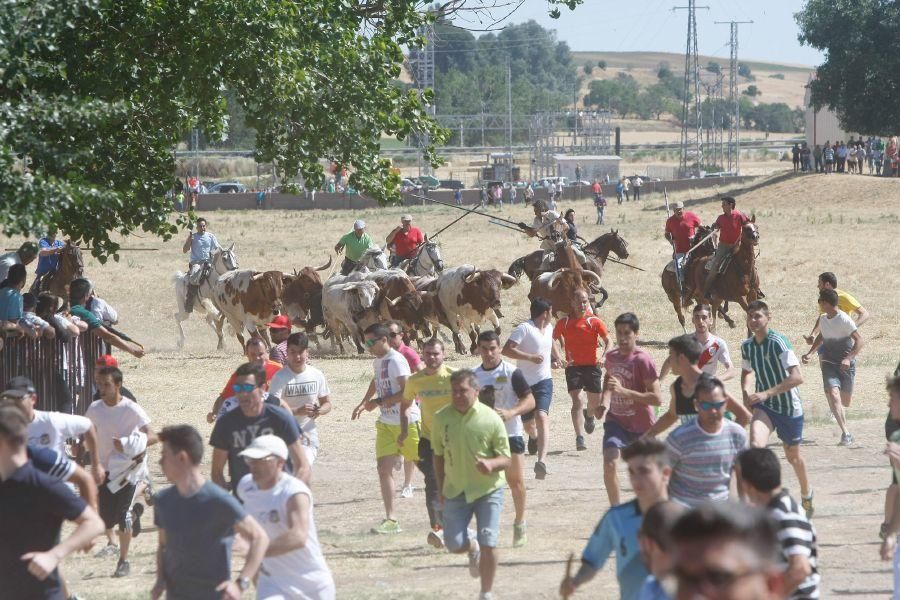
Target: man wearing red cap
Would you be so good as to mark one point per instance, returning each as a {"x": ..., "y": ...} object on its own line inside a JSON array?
[
  {"x": 108, "y": 360},
  {"x": 255, "y": 351},
  {"x": 279, "y": 330}
]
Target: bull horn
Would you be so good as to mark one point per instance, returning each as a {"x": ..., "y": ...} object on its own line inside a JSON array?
[
  {"x": 395, "y": 301},
  {"x": 257, "y": 276},
  {"x": 473, "y": 276},
  {"x": 591, "y": 275},
  {"x": 507, "y": 281},
  {"x": 325, "y": 266},
  {"x": 551, "y": 283},
  {"x": 231, "y": 247}
]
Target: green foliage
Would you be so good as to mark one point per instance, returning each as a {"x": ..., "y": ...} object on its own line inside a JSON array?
[
  {"x": 771, "y": 117},
  {"x": 777, "y": 76},
  {"x": 752, "y": 91},
  {"x": 96, "y": 93},
  {"x": 588, "y": 68},
  {"x": 744, "y": 70},
  {"x": 861, "y": 73},
  {"x": 664, "y": 71},
  {"x": 713, "y": 67},
  {"x": 601, "y": 64}
]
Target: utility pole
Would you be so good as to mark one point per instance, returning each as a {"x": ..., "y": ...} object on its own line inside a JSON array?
[
  {"x": 422, "y": 60},
  {"x": 734, "y": 133},
  {"x": 691, "y": 135},
  {"x": 509, "y": 123}
]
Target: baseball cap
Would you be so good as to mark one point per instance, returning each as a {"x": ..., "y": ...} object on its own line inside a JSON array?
[
  {"x": 266, "y": 445},
  {"x": 28, "y": 248},
  {"x": 280, "y": 322},
  {"x": 679, "y": 204},
  {"x": 359, "y": 224},
  {"x": 107, "y": 360},
  {"x": 19, "y": 386},
  {"x": 406, "y": 218}
]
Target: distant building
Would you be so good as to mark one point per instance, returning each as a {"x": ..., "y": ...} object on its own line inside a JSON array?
[
  {"x": 590, "y": 167},
  {"x": 822, "y": 125}
]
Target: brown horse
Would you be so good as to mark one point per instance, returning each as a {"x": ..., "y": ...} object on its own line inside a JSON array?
[
  {"x": 740, "y": 281},
  {"x": 71, "y": 266},
  {"x": 670, "y": 279},
  {"x": 596, "y": 253}
]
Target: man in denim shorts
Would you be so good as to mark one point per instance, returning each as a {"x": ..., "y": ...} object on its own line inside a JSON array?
[{"x": 471, "y": 454}]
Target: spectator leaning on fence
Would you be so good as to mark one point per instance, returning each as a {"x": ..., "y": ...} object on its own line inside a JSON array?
[
  {"x": 79, "y": 293},
  {"x": 26, "y": 253},
  {"x": 11, "y": 301}
]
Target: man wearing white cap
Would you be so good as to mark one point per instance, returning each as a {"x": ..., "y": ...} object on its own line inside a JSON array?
[
  {"x": 680, "y": 228},
  {"x": 356, "y": 243},
  {"x": 406, "y": 239},
  {"x": 294, "y": 566}
]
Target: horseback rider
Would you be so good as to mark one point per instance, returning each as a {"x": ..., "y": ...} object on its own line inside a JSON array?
[
  {"x": 356, "y": 242},
  {"x": 48, "y": 257},
  {"x": 554, "y": 229},
  {"x": 730, "y": 225},
  {"x": 201, "y": 244},
  {"x": 406, "y": 240},
  {"x": 679, "y": 230}
]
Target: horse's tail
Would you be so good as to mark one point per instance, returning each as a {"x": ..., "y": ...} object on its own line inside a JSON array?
[{"x": 517, "y": 267}]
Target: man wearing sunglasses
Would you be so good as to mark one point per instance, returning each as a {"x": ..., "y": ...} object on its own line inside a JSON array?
[
  {"x": 703, "y": 452},
  {"x": 235, "y": 430}
]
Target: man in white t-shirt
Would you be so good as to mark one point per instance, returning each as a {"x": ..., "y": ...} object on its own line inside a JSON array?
[
  {"x": 386, "y": 392},
  {"x": 47, "y": 429},
  {"x": 840, "y": 341},
  {"x": 715, "y": 350},
  {"x": 305, "y": 390},
  {"x": 294, "y": 566},
  {"x": 531, "y": 345}
]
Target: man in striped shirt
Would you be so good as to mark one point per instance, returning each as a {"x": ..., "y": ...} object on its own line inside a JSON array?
[
  {"x": 769, "y": 362},
  {"x": 796, "y": 535}
]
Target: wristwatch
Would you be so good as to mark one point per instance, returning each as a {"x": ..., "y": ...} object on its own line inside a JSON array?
[{"x": 243, "y": 583}]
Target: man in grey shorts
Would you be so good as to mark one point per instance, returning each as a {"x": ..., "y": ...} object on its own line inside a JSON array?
[{"x": 840, "y": 341}]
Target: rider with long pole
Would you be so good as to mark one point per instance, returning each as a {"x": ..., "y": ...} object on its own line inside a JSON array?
[
  {"x": 679, "y": 230},
  {"x": 356, "y": 243}
]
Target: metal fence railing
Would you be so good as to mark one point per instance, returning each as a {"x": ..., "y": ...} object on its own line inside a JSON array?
[{"x": 62, "y": 371}]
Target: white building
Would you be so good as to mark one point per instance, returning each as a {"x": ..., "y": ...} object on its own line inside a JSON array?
[{"x": 822, "y": 125}]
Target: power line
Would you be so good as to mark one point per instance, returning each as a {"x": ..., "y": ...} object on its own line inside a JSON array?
[
  {"x": 734, "y": 133},
  {"x": 691, "y": 160}
]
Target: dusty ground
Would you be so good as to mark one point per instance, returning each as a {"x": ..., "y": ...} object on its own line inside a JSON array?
[{"x": 804, "y": 231}]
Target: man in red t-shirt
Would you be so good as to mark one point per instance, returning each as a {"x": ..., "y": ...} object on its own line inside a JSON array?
[
  {"x": 580, "y": 333},
  {"x": 256, "y": 352},
  {"x": 405, "y": 239},
  {"x": 730, "y": 225},
  {"x": 680, "y": 228}
]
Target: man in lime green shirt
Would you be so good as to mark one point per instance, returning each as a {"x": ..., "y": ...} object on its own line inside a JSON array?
[
  {"x": 471, "y": 453},
  {"x": 356, "y": 243},
  {"x": 431, "y": 386}
]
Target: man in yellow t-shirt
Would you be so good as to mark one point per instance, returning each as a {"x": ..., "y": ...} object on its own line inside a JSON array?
[
  {"x": 846, "y": 303},
  {"x": 431, "y": 387},
  {"x": 471, "y": 453}
]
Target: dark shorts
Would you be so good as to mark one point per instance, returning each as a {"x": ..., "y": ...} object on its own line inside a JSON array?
[
  {"x": 616, "y": 436},
  {"x": 585, "y": 378},
  {"x": 114, "y": 506},
  {"x": 543, "y": 396},
  {"x": 788, "y": 429},
  {"x": 516, "y": 444},
  {"x": 834, "y": 377}
]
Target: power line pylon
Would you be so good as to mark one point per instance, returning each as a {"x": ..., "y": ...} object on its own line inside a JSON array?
[
  {"x": 734, "y": 133},
  {"x": 422, "y": 63},
  {"x": 691, "y": 133}
]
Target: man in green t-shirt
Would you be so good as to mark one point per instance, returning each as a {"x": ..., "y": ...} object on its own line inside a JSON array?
[
  {"x": 356, "y": 243},
  {"x": 471, "y": 453},
  {"x": 79, "y": 292}
]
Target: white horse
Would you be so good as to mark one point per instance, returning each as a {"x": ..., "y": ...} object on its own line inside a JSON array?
[
  {"x": 222, "y": 262},
  {"x": 374, "y": 259},
  {"x": 427, "y": 260}
]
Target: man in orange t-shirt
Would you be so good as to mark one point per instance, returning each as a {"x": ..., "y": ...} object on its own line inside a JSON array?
[
  {"x": 580, "y": 334},
  {"x": 256, "y": 352}
]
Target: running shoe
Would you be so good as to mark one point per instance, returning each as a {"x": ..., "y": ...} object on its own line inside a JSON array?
[
  {"x": 107, "y": 550},
  {"x": 474, "y": 559},
  {"x": 589, "y": 422},
  {"x": 406, "y": 492},
  {"x": 122, "y": 569},
  {"x": 388, "y": 526},
  {"x": 532, "y": 446},
  {"x": 520, "y": 537},
  {"x": 436, "y": 538},
  {"x": 136, "y": 511},
  {"x": 486, "y": 596},
  {"x": 149, "y": 494},
  {"x": 807, "y": 504},
  {"x": 540, "y": 470},
  {"x": 579, "y": 443},
  {"x": 846, "y": 439}
]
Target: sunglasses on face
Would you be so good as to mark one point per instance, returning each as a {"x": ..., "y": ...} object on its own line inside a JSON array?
[
  {"x": 394, "y": 334},
  {"x": 370, "y": 343},
  {"x": 237, "y": 388},
  {"x": 712, "y": 405}
]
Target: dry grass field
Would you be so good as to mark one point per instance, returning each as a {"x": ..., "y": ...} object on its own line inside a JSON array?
[{"x": 808, "y": 224}]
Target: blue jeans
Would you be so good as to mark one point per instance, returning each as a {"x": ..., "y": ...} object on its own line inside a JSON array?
[
  {"x": 543, "y": 396},
  {"x": 458, "y": 513}
]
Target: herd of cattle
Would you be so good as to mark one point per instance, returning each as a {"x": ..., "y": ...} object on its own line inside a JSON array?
[{"x": 459, "y": 298}]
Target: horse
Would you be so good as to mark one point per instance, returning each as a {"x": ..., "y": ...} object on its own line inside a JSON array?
[
  {"x": 670, "y": 279},
  {"x": 596, "y": 253},
  {"x": 740, "y": 280},
  {"x": 70, "y": 267},
  {"x": 427, "y": 260},
  {"x": 373, "y": 259},
  {"x": 222, "y": 261}
]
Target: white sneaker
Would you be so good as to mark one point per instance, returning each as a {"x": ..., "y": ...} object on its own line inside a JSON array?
[
  {"x": 486, "y": 596},
  {"x": 474, "y": 559},
  {"x": 406, "y": 492},
  {"x": 436, "y": 538}
]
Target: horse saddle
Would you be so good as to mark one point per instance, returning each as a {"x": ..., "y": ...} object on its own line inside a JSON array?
[{"x": 202, "y": 274}]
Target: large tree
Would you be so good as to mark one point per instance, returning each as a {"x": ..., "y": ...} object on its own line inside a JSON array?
[
  {"x": 94, "y": 95},
  {"x": 860, "y": 78}
]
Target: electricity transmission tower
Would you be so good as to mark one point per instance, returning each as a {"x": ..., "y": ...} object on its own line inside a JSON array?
[
  {"x": 691, "y": 122},
  {"x": 734, "y": 133},
  {"x": 421, "y": 61}
]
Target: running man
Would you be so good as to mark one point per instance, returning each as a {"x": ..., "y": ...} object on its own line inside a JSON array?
[
  {"x": 649, "y": 472},
  {"x": 580, "y": 335},
  {"x": 504, "y": 388},
  {"x": 386, "y": 392},
  {"x": 630, "y": 392},
  {"x": 770, "y": 377},
  {"x": 714, "y": 349},
  {"x": 846, "y": 303},
  {"x": 431, "y": 388},
  {"x": 840, "y": 342}
]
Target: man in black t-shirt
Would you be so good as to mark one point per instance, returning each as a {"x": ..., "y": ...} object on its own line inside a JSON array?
[{"x": 32, "y": 508}]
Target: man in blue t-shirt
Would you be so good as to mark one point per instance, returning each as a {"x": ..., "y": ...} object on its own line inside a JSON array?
[
  {"x": 33, "y": 506},
  {"x": 617, "y": 531},
  {"x": 236, "y": 429},
  {"x": 197, "y": 521},
  {"x": 49, "y": 249}
]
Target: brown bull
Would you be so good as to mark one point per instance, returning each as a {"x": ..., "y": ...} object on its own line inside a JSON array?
[
  {"x": 467, "y": 297},
  {"x": 558, "y": 286},
  {"x": 303, "y": 297},
  {"x": 249, "y": 299}
]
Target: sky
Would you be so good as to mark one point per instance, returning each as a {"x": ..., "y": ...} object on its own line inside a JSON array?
[{"x": 651, "y": 25}]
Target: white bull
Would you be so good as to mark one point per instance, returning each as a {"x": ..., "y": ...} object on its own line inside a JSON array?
[{"x": 348, "y": 307}]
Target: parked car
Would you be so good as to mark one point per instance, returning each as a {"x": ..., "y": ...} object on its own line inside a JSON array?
[
  {"x": 408, "y": 185},
  {"x": 228, "y": 187},
  {"x": 546, "y": 181},
  {"x": 452, "y": 184}
]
